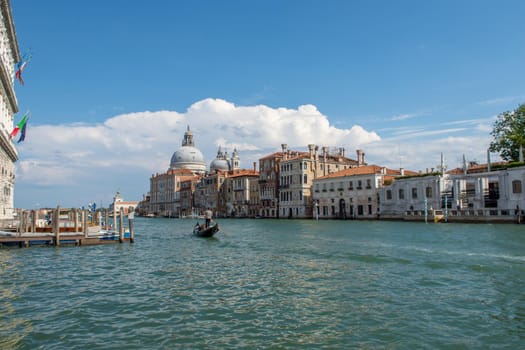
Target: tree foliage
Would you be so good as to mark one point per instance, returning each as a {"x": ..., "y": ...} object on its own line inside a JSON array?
[{"x": 509, "y": 134}]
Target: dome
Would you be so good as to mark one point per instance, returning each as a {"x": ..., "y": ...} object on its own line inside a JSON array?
[
  {"x": 220, "y": 164},
  {"x": 188, "y": 156}
]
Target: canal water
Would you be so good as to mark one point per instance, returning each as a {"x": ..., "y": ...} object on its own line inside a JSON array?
[{"x": 280, "y": 284}]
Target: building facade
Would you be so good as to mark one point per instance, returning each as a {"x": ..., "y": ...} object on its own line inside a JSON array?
[
  {"x": 9, "y": 56},
  {"x": 165, "y": 188},
  {"x": 351, "y": 193},
  {"x": 242, "y": 193},
  {"x": 416, "y": 195},
  {"x": 476, "y": 194},
  {"x": 119, "y": 204},
  {"x": 269, "y": 185},
  {"x": 298, "y": 170}
]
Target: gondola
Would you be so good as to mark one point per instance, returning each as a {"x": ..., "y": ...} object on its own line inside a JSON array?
[{"x": 200, "y": 231}]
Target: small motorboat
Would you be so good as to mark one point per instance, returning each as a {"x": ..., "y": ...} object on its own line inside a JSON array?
[{"x": 201, "y": 231}]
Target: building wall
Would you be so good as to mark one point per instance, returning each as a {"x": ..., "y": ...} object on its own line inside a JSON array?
[
  {"x": 165, "y": 192},
  {"x": 298, "y": 170},
  {"x": 412, "y": 194},
  {"x": 355, "y": 197},
  {"x": 9, "y": 55},
  {"x": 269, "y": 186}
]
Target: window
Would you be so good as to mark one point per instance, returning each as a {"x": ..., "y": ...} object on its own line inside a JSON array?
[
  {"x": 428, "y": 192},
  {"x": 516, "y": 186},
  {"x": 470, "y": 189},
  {"x": 368, "y": 184},
  {"x": 414, "y": 193},
  {"x": 350, "y": 185},
  {"x": 389, "y": 194},
  {"x": 401, "y": 193},
  {"x": 305, "y": 178},
  {"x": 359, "y": 185}
]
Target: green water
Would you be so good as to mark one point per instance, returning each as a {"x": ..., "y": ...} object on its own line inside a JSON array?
[{"x": 279, "y": 284}]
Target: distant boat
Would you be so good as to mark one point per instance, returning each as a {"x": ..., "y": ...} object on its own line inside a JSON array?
[{"x": 200, "y": 231}]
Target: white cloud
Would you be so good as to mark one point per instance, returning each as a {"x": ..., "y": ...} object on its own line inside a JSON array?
[
  {"x": 128, "y": 148},
  {"x": 422, "y": 154},
  {"x": 404, "y": 116},
  {"x": 78, "y": 163},
  {"x": 501, "y": 100}
]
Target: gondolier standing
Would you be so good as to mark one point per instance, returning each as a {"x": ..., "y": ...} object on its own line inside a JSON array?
[{"x": 208, "y": 215}]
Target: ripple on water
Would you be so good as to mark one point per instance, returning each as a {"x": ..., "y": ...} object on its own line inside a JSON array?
[{"x": 270, "y": 284}]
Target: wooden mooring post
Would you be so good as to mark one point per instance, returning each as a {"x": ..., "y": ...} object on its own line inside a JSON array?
[
  {"x": 56, "y": 226},
  {"x": 131, "y": 216},
  {"x": 121, "y": 227},
  {"x": 67, "y": 226}
]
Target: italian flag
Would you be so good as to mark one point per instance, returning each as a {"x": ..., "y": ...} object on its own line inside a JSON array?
[{"x": 21, "y": 125}]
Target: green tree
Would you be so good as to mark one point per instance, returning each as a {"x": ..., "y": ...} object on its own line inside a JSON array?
[{"x": 509, "y": 134}]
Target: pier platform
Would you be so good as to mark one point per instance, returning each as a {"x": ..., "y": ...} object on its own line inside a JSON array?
[{"x": 56, "y": 227}]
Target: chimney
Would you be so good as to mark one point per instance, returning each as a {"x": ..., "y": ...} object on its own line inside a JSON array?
[
  {"x": 402, "y": 171},
  {"x": 284, "y": 148},
  {"x": 325, "y": 151},
  {"x": 311, "y": 150},
  {"x": 254, "y": 167},
  {"x": 360, "y": 157},
  {"x": 316, "y": 152}
]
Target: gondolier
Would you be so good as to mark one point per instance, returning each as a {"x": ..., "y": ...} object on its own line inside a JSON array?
[{"x": 208, "y": 215}]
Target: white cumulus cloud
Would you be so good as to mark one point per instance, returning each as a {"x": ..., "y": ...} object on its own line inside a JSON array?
[{"x": 124, "y": 151}]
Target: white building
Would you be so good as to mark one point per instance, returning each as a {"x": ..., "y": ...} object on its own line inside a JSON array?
[
  {"x": 477, "y": 194},
  {"x": 416, "y": 196},
  {"x": 351, "y": 193},
  {"x": 119, "y": 204},
  {"x": 9, "y": 56}
]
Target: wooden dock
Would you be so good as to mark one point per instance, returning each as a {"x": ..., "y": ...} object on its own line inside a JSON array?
[{"x": 56, "y": 227}]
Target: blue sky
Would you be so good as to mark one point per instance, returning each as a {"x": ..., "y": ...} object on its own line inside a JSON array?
[{"x": 112, "y": 85}]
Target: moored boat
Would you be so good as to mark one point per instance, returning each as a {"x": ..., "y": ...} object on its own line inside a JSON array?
[{"x": 201, "y": 231}]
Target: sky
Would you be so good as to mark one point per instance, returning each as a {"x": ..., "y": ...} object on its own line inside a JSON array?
[{"x": 113, "y": 85}]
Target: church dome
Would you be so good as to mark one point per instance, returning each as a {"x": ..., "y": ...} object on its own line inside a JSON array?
[
  {"x": 220, "y": 164},
  {"x": 188, "y": 156}
]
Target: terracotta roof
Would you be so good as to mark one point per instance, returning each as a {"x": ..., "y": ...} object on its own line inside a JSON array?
[
  {"x": 180, "y": 172},
  {"x": 367, "y": 170},
  {"x": 243, "y": 172},
  {"x": 273, "y": 155}
]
